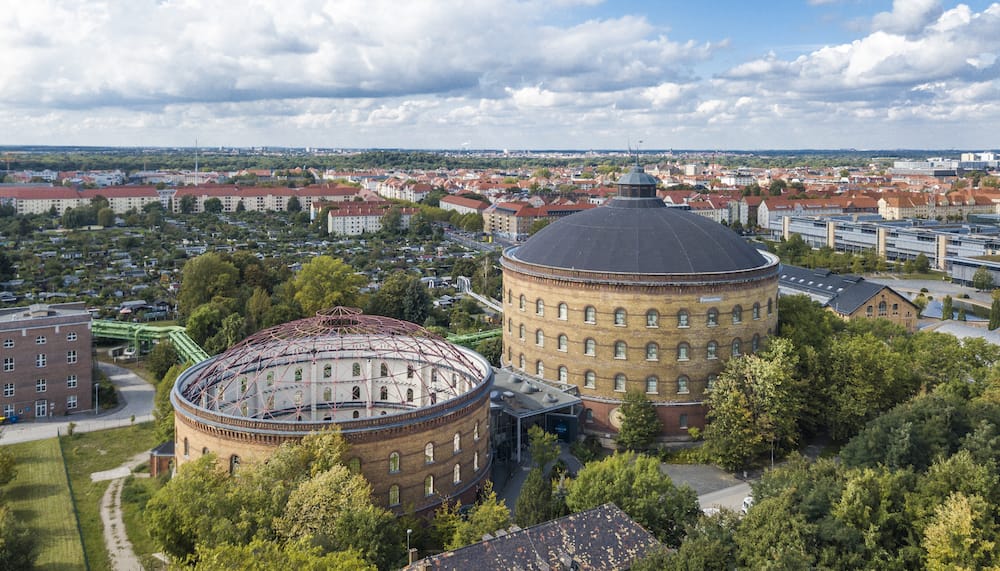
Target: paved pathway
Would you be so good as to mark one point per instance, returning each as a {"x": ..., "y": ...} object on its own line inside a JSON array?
[{"x": 135, "y": 397}]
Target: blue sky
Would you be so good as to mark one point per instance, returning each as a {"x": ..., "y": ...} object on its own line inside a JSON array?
[{"x": 517, "y": 74}]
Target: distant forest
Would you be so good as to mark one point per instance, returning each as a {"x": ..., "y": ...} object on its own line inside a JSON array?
[{"x": 136, "y": 159}]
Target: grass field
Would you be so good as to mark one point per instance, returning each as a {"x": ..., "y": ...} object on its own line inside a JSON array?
[
  {"x": 93, "y": 452},
  {"x": 40, "y": 498},
  {"x": 135, "y": 494}
]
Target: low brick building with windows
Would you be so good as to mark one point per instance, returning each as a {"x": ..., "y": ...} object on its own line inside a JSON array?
[
  {"x": 413, "y": 407},
  {"x": 47, "y": 362},
  {"x": 634, "y": 295}
]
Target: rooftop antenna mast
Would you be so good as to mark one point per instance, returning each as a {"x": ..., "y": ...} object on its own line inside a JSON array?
[{"x": 196, "y": 162}]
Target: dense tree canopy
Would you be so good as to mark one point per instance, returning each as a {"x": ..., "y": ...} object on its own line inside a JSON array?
[{"x": 326, "y": 282}]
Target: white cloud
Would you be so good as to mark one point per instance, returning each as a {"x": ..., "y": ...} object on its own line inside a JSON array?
[{"x": 907, "y": 16}]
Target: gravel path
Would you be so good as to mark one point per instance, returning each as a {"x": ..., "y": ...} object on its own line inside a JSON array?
[{"x": 116, "y": 541}]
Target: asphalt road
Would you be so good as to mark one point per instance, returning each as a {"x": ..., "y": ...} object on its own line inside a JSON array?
[
  {"x": 731, "y": 497},
  {"x": 133, "y": 391}
]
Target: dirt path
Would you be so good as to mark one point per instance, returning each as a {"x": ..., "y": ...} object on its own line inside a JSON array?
[{"x": 116, "y": 541}]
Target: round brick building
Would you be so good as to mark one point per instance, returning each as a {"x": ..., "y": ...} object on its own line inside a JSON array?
[
  {"x": 413, "y": 407},
  {"x": 636, "y": 295}
]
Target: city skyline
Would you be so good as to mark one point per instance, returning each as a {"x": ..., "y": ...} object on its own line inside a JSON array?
[{"x": 570, "y": 74}]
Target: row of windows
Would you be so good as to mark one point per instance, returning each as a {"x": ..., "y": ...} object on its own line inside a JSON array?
[
  {"x": 620, "y": 348},
  {"x": 620, "y": 315},
  {"x": 39, "y": 340},
  {"x": 41, "y": 385},
  {"x": 621, "y": 381},
  {"x": 883, "y": 310},
  {"x": 356, "y": 372},
  {"x": 41, "y": 360}
]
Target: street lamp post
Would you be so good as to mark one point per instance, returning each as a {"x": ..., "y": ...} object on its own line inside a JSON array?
[
  {"x": 97, "y": 392},
  {"x": 408, "y": 532}
]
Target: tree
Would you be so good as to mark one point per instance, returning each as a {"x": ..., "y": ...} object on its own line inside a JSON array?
[
  {"x": 982, "y": 280},
  {"x": 8, "y": 466},
  {"x": 921, "y": 264},
  {"x": 947, "y": 310},
  {"x": 776, "y": 187},
  {"x": 205, "y": 323},
  {"x": 293, "y": 204},
  {"x": 392, "y": 221},
  {"x": 206, "y": 278},
  {"x": 487, "y": 516},
  {"x": 106, "y": 217},
  {"x": 543, "y": 446},
  {"x": 534, "y": 504},
  {"x": 19, "y": 546},
  {"x": 775, "y": 535},
  {"x": 213, "y": 205},
  {"x": 710, "y": 544},
  {"x": 491, "y": 349},
  {"x": 754, "y": 407},
  {"x": 325, "y": 282},
  {"x": 187, "y": 204},
  {"x": 402, "y": 296},
  {"x": 538, "y": 225},
  {"x": 163, "y": 411},
  {"x": 161, "y": 358},
  {"x": 263, "y": 555},
  {"x": 995, "y": 311},
  {"x": 636, "y": 485},
  {"x": 639, "y": 423},
  {"x": 962, "y": 535}
]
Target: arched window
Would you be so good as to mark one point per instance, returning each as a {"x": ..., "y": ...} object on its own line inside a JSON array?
[
  {"x": 475, "y": 461},
  {"x": 620, "y": 316},
  {"x": 755, "y": 343},
  {"x": 429, "y": 453},
  {"x": 682, "y": 385},
  {"x": 683, "y": 319},
  {"x": 883, "y": 309},
  {"x": 589, "y": 347},
  {"x": 563, "y": 374},
  {"x": 770, "y": 308},
  {"x": 540, "y": 369},
  {"x": 620, "y": 350},
  {"x": 588, "y": 415},
  {"x": 456, "y": 443},
  {"x": 521, "y": 361},
  {"x": 652, "y": 352},
  {"x": 738, "y": 314},
  {"x": 521, "y": 301},
  {"x": 713, "y": 317},
  {"x": 327, "y": 394},
  {"x": 355, "y": 393},
  {"x": 756, "y": 310},
  {"x": 539, "y": 338},
  {"x": 383, "y": 393},
  {"x": 590, "y": 380},
  {"x": 562, "y": 342},
  {"x": 429, "y": 485},
  {"x": 383, "y": 370},
  {"x": 652, "y": 318},
  {"x": 563, "y": 311},
  {"x": 434, "y": 376},
  {"x": 298, "y": 375},
  {"x": 433, "y": 397},
  {"x": 394, "y": 495},
  {"x": 356, "y": 370},
  {"x": 187, "y": 448},
  {"x": 356, "y": 414},
  {"x": 409, "y": 371},
  {"x": 409, "y": 395},
  {"x": 683, "y": 351},
  {"x": 354, "y": 465},
  {"x": 620, "y": 383},
  {"x": 327, "y": 371},
  {"x": 539, "y": 307},
  {"x": 456, "y": 474},
  {"x": 298, "y": 398},
  {"x": 712, "y": 350},
  {"x": 510, "y": 297},
  {"x": 869, "y": 311},
  {"x": 394, "y": 462},
  {"x": 651, "y": 385},
  {"x": 204, "y": 451},
  {"x": 520, "y": 331},
  {"x": 234, "y": 463},
  {"x": 589, "y": 314},
  {"x": 475, "y": 432},
  {"x": 736, "y": 347}
]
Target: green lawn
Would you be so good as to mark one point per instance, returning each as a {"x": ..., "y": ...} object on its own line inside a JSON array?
[
  {"x": 135, "y": 494},
  {"x": 40, "y": 498},
  {"x": 93, "y": 452}
]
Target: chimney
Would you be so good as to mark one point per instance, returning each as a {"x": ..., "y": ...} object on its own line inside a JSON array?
[{"x": 412, "y": 555}]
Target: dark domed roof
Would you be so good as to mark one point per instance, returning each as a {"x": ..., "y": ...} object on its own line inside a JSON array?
[{"x": 639, "y": 236}]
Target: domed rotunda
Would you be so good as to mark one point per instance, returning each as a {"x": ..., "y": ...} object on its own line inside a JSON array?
[{"x": 636, "y": 295}]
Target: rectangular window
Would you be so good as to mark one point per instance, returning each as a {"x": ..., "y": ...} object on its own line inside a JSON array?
[
  {"x": 40, "y": 340},
  {"x": 71, "y": 382},
  {"x": 71, "y": 336},
  {"x": 8, "y": 410},
  {"x": 71, "y": 402},
  {"x": 71, "y": 357},
  {"x": 8, "y": 343},
  {"x": 40, "y": 386},
  {"x": 8, "y": 389},
  {"x": 684, "y": 422},
  {"x": 8, "y": 364},
  {"x": 40, "y": 360}
]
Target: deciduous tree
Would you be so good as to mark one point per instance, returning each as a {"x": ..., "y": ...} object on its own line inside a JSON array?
[
  {"x": 325, "y": 282},
  {"x": 639, "y": 423}
]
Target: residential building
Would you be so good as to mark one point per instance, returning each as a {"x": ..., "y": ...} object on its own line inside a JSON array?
[
  {"x": 353, "y": 218},
  {"x": 513, "y": 220},
  {"x": 463, "y": 205}
]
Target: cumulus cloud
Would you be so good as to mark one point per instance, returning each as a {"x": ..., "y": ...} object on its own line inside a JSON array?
[{"x": 907, "y": 16}]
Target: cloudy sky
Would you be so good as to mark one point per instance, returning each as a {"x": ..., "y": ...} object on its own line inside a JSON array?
[{"x": 528, "y": 74}]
